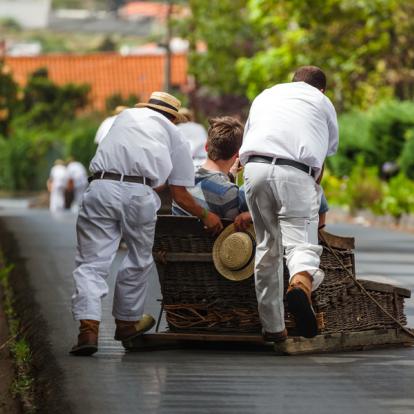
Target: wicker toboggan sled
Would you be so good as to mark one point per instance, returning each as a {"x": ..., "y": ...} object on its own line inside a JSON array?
[{"x": 201, "y": 305}]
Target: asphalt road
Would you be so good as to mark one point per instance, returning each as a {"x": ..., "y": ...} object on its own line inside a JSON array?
[{"x": 214, "y": 380}]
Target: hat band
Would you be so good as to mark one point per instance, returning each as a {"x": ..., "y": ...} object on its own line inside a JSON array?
[
  {"x": 251, "y": 256},
  {"x": 162, "y": 103}
]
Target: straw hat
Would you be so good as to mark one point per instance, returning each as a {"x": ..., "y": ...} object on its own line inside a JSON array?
[
  {"x": 233, "y": 253},
  {"x": 164, "y": 102},
  {"x": 119, "y": 109},
  {"x": 187, "y": 113}
]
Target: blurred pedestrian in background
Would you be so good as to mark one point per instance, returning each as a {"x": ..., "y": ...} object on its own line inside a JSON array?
[
  {"x": 196, "y": 136},
  {"x": 77, "y": 183},
  {"x": 56, "y": 185},
  {"x": 106, "y": 124}
]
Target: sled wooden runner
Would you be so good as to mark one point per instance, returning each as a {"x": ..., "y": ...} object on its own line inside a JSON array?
[{"x": 337, "y": 342}]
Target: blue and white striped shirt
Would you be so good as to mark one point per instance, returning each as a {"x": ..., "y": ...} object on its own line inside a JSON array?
[{"x": 214, "y": 190}]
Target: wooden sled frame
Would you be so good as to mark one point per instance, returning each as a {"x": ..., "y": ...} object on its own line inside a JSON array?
[
  {"x": 327, "y": 343},
  {"x": 323, "y": 343}
]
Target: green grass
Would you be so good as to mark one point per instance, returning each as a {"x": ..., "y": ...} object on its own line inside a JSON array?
[{"x": 23, "y": 383}]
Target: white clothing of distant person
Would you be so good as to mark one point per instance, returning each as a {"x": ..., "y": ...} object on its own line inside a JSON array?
[
  {"x": 104, "y": 128},
  {"x": 293, "y": 121},
  {"x": 144, "y": 143},
  {"x": 77, "y": 173},
  {"x": 196, "y": 136},
  {"x": 58, "y": 179}
]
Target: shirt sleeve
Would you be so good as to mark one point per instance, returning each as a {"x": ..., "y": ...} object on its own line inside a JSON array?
[
  {"x": 182, "y": 173},
  {"x": 332, "y": 128}
]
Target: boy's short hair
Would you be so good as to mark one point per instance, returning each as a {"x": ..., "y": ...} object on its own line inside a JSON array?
[
  {"x": 225, "y": 136},
  {"x": 312, "y": 75}
]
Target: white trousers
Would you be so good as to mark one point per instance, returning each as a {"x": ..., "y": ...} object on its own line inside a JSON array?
[
  {"x": 284, "y": 204},
  {"x": 57, "y": 199},
  {"x": 111, "y": 210},
  {"x": 78, "y": 191}
]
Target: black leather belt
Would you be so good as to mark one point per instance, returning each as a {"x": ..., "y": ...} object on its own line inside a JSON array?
[
  {"x": 120, "y": 177},
  {"x": 281, "y": 161}
]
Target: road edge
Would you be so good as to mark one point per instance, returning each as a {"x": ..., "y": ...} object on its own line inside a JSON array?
[{"x": 49, "y": 378}]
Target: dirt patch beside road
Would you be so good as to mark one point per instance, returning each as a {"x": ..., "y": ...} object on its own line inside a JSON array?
[{"x": 8, "y": 404}]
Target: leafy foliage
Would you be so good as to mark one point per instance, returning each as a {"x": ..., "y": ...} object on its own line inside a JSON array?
[
  {"x": 358, "y": 43},
  {"x": 118, "y": 100},
  {"x": 384, "y": 133},
  {"x": 8, "y": 98},
  {"x": 45, "y": 128}
]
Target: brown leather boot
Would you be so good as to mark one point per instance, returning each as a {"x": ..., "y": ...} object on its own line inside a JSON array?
[
  {"x": 299, "y": 301},
  {"x": 126, "y": 330},
  {"x": 275, "y": 337},
  {"x": 87, "y": 338}
]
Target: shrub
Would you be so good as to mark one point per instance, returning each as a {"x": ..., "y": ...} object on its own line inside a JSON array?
[
  {"x": 378, "y": 135},
  {"x": 398, "y": 197},
  {"x": 364, "y": 189},
  {"x": 406, "y": 160}
]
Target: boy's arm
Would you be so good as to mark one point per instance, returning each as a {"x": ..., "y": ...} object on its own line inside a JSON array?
[{"x": 184, "y": 199}]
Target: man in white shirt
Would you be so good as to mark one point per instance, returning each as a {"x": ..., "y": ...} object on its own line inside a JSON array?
[
  {"x": 142, "y": 151},
  {"x": 196, "y": 136},
  {"x": 106, "y": 125},
  {"x": 78, "y": 181},
  {"x": 56, "y": 185},
  {"x": 291, "y": 128}
]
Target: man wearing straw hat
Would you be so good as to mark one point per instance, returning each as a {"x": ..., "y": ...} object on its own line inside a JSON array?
[
  {"x": 142, "y": 150},
  {"x": 291, "y": 128}
]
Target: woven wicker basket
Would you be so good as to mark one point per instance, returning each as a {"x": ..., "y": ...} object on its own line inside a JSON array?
[{"x": 197, "y": 298}]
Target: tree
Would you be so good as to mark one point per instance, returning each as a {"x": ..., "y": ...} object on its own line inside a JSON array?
[
  {"x": 219, "y": 35},
  {"x": 46, "y": 103},
  {"x": 8, "y": 98},
  {"x": 362, "y": 45}
]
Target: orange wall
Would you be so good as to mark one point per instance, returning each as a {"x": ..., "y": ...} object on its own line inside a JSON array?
[{"x": 107, "y": 73}]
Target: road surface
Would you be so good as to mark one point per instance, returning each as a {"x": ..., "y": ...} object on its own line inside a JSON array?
[{"x": 213, "y": 380}]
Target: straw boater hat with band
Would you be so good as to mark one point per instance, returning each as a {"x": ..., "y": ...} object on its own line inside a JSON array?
[
  {"x": 164, "y": 102},
  {"x": 233, "y": 253}
]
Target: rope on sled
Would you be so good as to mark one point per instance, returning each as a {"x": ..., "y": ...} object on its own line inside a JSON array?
[{"x": 362, "y": 288}]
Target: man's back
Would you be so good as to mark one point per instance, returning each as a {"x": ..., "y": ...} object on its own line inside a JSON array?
[
  {"x": 143, "y": 142},
  {"x": 293, "y": 121}
]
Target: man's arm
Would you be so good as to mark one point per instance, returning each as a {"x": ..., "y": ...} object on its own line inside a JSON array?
[
  {"x": 184, "y": 199},
  {"x": 319, "y": 179}
]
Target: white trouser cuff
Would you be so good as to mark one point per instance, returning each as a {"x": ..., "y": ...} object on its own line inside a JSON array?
[
  {"x": 81, "y": 317},
  {"x": 317, "y": 275},
  {"x": 127, "y": 318}
]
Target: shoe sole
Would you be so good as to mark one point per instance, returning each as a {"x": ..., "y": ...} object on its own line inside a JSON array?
[
  {"x": 84, "y": 350},
  {"x": 300, "y": 308},
  {"x": 275, "y": 340},
  {"x": 136, "y": 335}
]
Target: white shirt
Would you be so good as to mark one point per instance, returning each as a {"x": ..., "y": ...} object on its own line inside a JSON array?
[
  {"x": 142, "y": 142},
  {"x": 59, "y": 177},
  {"x": 294, "y": 121},
  {"x": 196, "y": 136},
  {"x": 77, "y": 172},
  {"x": 104, "y": 128}
]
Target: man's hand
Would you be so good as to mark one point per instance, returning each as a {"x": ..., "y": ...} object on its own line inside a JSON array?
[
  {"x": 236, "y": 167},
  {"x": 242, "y": 221},
  {"x": 212, "y": 223}
]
